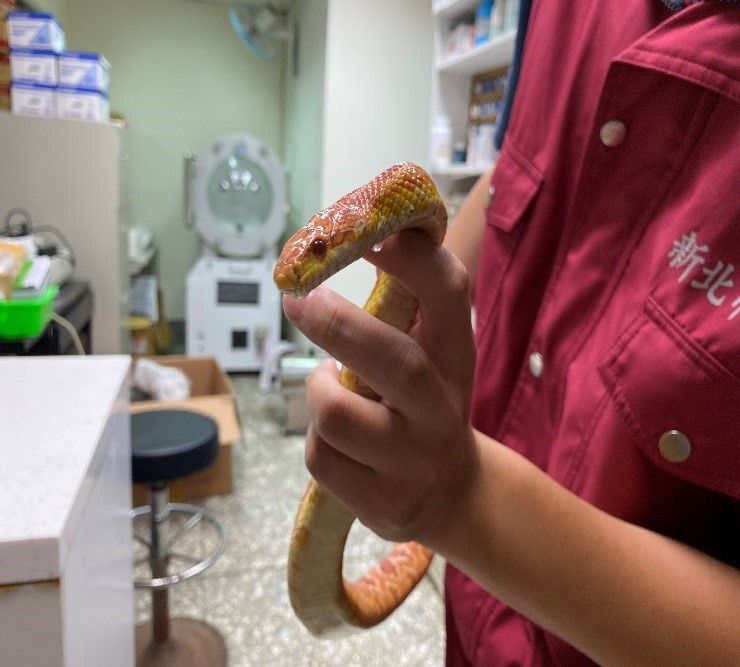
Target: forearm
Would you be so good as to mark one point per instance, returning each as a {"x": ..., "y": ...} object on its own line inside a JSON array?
[
  {"x": 620, "y": 593},
  {"x": 465, "y": 233}
]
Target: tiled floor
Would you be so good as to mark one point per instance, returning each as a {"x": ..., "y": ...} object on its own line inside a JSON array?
[{"x": 244, "y": 594}]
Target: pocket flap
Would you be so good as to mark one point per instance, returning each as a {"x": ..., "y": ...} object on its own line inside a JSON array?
[
  {"x": 515, "y": 183},
  {"x": 678, "y": 401}
]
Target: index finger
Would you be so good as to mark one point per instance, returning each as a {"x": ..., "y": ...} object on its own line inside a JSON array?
[{"x": 391, "y": 362}]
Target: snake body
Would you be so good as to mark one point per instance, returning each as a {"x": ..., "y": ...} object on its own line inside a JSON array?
[{"x": 400, "y": 197}]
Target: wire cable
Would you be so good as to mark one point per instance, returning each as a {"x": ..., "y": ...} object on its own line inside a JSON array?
[{"x": 71, "y": 331}]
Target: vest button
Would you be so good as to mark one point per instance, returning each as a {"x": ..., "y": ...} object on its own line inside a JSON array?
[
  {"x": 612, "y": 133},
  {"x": 536, "y": 364},
  {"x": 674, "y": 446}
]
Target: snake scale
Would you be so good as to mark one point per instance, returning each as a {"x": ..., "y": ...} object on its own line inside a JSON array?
[{"x": 400, "y": 197}]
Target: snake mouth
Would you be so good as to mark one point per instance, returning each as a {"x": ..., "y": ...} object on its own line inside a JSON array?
[
  {"x": 298, "y": 279},
  {"x": 299, "y": 292},
  {"x": 288, "y": 282},
  {"x": 285, "y": 280}
]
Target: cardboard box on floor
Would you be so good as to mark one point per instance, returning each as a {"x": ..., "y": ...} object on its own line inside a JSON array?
[{"x": 211, "y": 394}]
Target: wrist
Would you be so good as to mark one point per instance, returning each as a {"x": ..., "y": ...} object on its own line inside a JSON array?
[
  {"x": 480, "y": 527},
  {"x": 454, "y": 516}
]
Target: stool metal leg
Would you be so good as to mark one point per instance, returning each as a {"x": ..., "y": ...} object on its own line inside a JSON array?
[
  {"x": 159, "y": 560},
  {"x": 174, "y": 642}
]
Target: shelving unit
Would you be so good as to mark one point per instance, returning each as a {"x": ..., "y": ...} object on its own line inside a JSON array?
[
  {"x": 494, "y": 52},
  {"x": 451, "y": 83},
  {"x": 460, "y": 171},
  {"x": 446, "y": 9}
]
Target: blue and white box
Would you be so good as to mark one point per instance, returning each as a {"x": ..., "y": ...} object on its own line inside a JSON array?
[
  {"x": 33, "y": 99},
  {"x": 34, "y": 30},
  {"x": 28, "y": 66},
  {"x": 82, "y": 104},
  {"x": 78, "y": 69}
]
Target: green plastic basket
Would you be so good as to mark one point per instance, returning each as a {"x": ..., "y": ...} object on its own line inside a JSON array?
[{"x": 27, "y": 318}]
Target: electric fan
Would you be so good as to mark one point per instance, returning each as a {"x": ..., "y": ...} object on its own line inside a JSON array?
[{"x": 262, "y": 28}]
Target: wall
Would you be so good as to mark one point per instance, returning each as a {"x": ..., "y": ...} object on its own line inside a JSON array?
[
  {"x": 377, "y": 98},
  {"x": 359, "y": 103},
  {"x": 304, "y": 113},
  {"x": 182, "y": 78}
]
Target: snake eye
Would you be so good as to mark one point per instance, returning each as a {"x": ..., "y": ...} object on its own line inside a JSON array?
[{"x": 318, "y": 247}]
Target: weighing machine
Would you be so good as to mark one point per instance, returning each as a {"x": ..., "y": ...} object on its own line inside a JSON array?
[{"x": 235, "y": 198}]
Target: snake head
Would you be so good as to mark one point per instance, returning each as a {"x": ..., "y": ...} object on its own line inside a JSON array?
[
  {"x": 314, "y": 253},
  {"x": 402, "y": 196}
]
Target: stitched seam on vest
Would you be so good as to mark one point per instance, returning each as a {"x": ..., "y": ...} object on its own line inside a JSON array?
[
  {"x": 704, "y": 106},
  {"x": 609, "y": 373},
  {"x": 684, "y": 341},
  {"x": 679, "y": 67}
]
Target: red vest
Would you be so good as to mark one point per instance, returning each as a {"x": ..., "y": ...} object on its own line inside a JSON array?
[{"x": 608, "y": 293}]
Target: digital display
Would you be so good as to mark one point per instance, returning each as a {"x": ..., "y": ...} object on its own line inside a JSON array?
[{"x": 241, "y": 293}]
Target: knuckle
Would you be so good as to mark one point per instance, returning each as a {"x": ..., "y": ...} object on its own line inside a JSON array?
[
  {"x": 401, "y": 516},
  {"x": 458, "y": 280},
  {"x": 413, "y": 368},
  {"x": 313, "y": 455},
  {"x": 331, "y": 413},
  {"x": 312, "y": 381},
  {"x": 334, "y": 327}
]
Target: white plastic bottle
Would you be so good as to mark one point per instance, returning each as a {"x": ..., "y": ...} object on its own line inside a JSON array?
[
  {"x": 441, "y": 142},
  {"x": 472, "y": 152}
]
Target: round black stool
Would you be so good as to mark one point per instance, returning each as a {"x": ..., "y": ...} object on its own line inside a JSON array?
[{"x": 166, "y": 445}]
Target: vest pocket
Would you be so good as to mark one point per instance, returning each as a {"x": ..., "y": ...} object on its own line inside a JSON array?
[
  {"x": 514, "y": 186},
  {"x": 678, "y": 401}
]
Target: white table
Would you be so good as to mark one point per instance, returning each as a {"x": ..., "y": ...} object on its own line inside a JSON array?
[{"x": 66, "y": 595}]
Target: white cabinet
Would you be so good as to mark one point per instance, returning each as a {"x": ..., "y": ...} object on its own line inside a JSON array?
[
  {"x": 68, "y": 173},
  {"x": 66, "y": 592},
  {"x": 452, "y": 75}
]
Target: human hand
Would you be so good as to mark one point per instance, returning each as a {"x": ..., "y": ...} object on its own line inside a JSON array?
[{"x": 400, "y": 465}]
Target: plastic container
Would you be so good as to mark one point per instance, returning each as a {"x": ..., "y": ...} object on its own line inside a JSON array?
[
  {"x": 458, "y": 152},
  {"x": 485, "y": 150},
  {"x": 512, "y": 14},
  {"x": 483, "y": 21},
  {"x": 461, "y": 38},
  {"x": 498, "y": 17},
  {"x": 472, "y": 148},
  {"x": 27, "y": 318},
  {"x": 441, "y": 142}
]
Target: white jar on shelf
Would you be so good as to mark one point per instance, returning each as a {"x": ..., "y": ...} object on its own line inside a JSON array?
[
  {"x": 485, "y": 149},
  {"x": 472, "y": 153},
  {"x": 441, "y": 142}
]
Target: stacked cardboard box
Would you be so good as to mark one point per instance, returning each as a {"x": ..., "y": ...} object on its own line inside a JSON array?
[
  {"x": 211, "y": 394},
  {"x": 47, "y": 80},
  {"x": 5, "y": 7},
  {"x": 34, "y": 39},
  {"x": 83, "y": 86}
]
